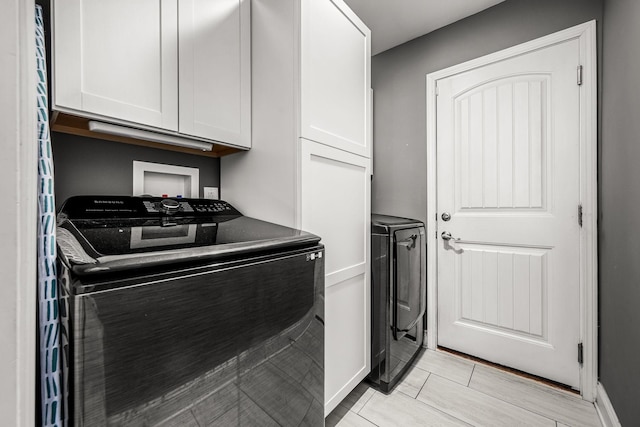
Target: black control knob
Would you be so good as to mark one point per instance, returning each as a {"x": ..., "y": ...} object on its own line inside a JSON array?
[{"x": 169, "y": 206}]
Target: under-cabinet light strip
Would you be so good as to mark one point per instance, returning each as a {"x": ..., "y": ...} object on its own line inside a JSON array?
[{"x": 147, "y": 135}]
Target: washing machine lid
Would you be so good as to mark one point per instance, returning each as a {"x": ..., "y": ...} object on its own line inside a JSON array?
[{"x": 100, "y": 234}]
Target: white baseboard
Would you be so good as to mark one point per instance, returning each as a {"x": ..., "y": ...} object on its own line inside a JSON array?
[{"x": 607, "y": 414}]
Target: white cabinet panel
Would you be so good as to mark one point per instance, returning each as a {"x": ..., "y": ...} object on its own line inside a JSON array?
[
  {"x": 346, "y": 345},
  {"x": 335, "y": 62},
  {"x": 215, "y": 70},
  {"x": 117, "y": 59},
  {"x": 335, "y": 188},
  {"x": 335, "y": 193}
]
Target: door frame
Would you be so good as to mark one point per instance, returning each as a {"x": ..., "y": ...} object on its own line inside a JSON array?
[
  {"x": 586, "y": 36},
  {"x": 18, "y": 176}
]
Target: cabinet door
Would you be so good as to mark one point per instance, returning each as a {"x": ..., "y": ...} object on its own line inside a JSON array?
[
  {"x": 215, "y": 70},
  {"x": 336, "y": 78},
  {"x": 336, "y": 205},
  {"x": 117, "y": 59}
]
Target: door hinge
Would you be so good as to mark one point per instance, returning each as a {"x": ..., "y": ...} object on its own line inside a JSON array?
[
  {"x": 580, "y": 353},
  {"x": 437, "y": 90},
  {"x": 580, "y": 215},
  {"x": 579, "y": 75}
]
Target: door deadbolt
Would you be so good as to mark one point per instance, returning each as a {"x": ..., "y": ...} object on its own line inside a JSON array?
[{"x": 446, "y": 216}]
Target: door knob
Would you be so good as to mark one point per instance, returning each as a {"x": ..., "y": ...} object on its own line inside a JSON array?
[{"x": 447, "y": 236}]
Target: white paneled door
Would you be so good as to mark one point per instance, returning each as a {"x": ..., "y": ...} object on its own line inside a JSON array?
[
  {"x": 508, "y": 174},
  {"x": 336, "y": 76},
  {"x": 336, "y": 205}
]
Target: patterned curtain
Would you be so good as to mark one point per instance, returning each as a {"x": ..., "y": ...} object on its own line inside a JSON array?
[{"x": 51, "y": 387}]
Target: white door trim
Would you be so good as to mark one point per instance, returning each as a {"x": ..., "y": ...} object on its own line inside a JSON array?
[
  {"x": 18, "y": 176},
  {"x": 586, "y": 36}
]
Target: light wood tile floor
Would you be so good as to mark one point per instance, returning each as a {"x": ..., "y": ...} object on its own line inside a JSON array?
[{"x": 446, "y": 390}]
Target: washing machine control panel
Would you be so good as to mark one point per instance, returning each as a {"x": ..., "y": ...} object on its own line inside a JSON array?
[
  {"x": 144, "y": 207},
  {"x": 188, "y": 207},
  {"x": 191, "y": 206}
]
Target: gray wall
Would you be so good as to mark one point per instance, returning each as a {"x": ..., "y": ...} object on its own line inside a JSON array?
[
  {"x": 92, "y": 166},
  {"x": 398, "y": 80},
  {"x": 619, "y": 217}
]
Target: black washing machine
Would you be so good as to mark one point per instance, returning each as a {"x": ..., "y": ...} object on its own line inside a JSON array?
[{"x": 185, "y": 311}]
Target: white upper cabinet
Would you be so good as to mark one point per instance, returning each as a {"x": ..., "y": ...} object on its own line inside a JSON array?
[
  {"x": 215, "y": 70},
  {"x": 175, "y": 66},
  {"x": 335, "y": 76},
  {"x": 117, "y": 59}
]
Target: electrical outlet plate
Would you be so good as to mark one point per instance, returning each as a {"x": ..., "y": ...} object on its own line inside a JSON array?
[{"x": 211, "y": 193}]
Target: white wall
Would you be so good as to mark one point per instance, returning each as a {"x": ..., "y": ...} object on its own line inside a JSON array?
[{"x": 17, "y": 213}]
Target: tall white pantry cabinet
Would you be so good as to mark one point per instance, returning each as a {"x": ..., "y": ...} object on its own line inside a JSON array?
[{"x": 310, "y": 162}]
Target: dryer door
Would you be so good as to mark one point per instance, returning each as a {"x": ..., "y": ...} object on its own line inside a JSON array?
[{"x": 408, "y": 290}]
